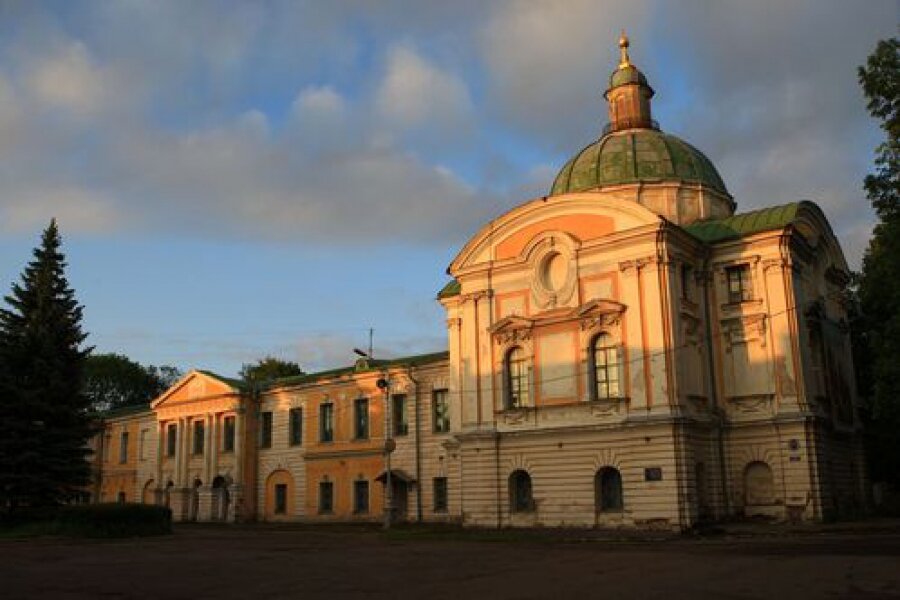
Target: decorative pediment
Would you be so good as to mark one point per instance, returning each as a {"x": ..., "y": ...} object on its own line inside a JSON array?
[
  {"x": 196, "y": 386},
  {"x": 512, "y": 329},
  {"x": 599, "y": 313}
]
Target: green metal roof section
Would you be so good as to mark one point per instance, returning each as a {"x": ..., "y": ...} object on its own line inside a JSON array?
[
  {"x": 636, "y": 155},
  {"x": 741, "y": 225},
  {"x": 626, "y": 75},
  {"x": 453, "y": 288},
  {"x": 414, "y": 360}
]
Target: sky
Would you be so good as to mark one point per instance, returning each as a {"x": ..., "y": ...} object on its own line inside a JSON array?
[{"x": 241, "y": 179}]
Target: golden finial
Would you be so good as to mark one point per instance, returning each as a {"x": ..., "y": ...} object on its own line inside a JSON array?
[{"x": 624, "y": 61}]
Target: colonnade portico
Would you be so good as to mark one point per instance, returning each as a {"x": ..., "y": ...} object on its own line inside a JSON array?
[{"x": 185, "y": 481}]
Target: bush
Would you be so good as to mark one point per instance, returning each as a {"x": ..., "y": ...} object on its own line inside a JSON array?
[{"x": 113, "y": 520}]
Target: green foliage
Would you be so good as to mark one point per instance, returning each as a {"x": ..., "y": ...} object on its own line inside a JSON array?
[
  {"x": 269, "y": 368},
  {"x": 45, "y": 418},
  {"x": 114, "y": 520},
  {"x": 880, "y": 79},
  {"x": 877, "y": 321},
  {"x": 113, "y": 381}
]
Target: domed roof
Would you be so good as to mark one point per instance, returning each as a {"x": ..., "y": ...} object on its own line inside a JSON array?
[
  {"x": 636, "y": 155},
  {"x": 625, "y": 75}
]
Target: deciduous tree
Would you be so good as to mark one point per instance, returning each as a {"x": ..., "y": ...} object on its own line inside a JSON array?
[{"x": 877, "y": 334}]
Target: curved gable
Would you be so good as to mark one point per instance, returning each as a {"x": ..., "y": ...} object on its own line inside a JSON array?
[{"x": 584, "y": 217}]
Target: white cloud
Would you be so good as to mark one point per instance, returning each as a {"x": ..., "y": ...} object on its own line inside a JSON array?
[
  {"x": 69, "y": 80},
  {"x": 416, "y": 92},
  {"x": 76, "y": 209},
  {"x": 548, "y": 63}
]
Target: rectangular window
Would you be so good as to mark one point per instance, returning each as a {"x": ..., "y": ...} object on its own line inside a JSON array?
[
  {"x": 440, "y": 408},
  {"x": 361, "y": 418},
  {"x": 295, "y": 418},
  {"x": 398, "y": 414},
  {"x": 739, "y": 289},
  {"x": 228, "y": 434},
  {"x": 265, "y": 429},
  {"x": 440, "y": 494},
  {"x": 199, "y": 437},
  {"x": 142, "y": 445},
  {"x": 123, "y": 448},
  {"x": 686, "y": 288},
  {"x": 360, "y": 497},
  {"x": 326, "y": 422},
  {"x": 280, "y": 498},
  {"x": 326, "y": 496},
  {"x": 171, "y": 439}
]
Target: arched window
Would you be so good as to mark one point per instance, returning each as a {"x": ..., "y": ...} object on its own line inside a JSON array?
[
  {"x": 608, "y": 490},
  {"x": 604, "y": 362},
  {"x": 520, "y": 498},
  {"x": 515, "y": 372}
]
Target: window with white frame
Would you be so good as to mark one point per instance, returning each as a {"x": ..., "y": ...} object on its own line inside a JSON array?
[
  {"x": 605, "y": 366},
  {"x": 515, "y": 371}
]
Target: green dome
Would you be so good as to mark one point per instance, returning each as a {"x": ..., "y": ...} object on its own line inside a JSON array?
[
  {"x": 636, "y": 155},
  {"x": 625, "y": 75}
]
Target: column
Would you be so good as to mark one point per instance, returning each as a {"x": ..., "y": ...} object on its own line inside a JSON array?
[
  {"x": 236, "y": 506},
  {"x": 160, "y": 441},
  {"x": 205, "y": 503}
]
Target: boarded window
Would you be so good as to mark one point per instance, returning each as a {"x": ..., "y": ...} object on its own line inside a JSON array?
[{"x": 759, "y": 484}]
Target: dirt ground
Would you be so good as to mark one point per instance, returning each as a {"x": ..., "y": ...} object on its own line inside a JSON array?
[{"x": 318, "y": 562}]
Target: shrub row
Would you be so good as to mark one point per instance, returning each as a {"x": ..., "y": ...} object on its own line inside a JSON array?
[
  {"x": 94, "y": 520},
  {"x": 114, "y": 520}
]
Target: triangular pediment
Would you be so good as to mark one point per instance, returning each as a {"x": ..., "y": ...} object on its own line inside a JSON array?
[{"x": 196, "y": 385}]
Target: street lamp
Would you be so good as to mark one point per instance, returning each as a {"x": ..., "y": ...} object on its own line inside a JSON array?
[{"x": 384, "y": 385}]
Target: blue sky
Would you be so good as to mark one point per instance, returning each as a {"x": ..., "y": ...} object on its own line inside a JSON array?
[{"x": 240, "y": 179}]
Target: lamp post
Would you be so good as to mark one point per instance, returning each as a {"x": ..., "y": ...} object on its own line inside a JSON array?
[{"x": 384, "y": 385}]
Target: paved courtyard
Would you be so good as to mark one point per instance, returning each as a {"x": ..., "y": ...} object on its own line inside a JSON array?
[{"x": 333, "y": 562}]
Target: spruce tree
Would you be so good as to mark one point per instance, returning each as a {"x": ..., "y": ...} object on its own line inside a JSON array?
[{"x": 45, "y": 419}]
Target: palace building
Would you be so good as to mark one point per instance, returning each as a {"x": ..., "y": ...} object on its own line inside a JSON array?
[{"x": 625, "y": 351}]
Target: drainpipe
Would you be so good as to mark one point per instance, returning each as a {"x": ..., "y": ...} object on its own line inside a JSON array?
[
  {"x": 418, "y": 447},
  {"x": 713, "y": 389}
]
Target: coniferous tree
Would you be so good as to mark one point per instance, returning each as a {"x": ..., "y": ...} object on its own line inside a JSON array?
[{"x": 45, "y": 419}]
